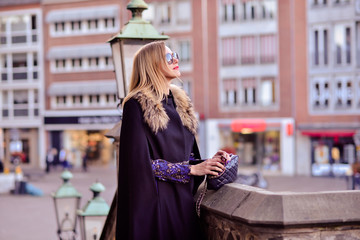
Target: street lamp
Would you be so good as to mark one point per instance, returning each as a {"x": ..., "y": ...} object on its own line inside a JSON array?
[
  {"x": 136, "y": 33},
  {"x": 93, "y": 215},
  {"x": 67, "y": 202}
]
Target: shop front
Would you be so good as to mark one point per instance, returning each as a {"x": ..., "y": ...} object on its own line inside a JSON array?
[
  {"x": 262, "y": 144},
  {"x": 20, "y": 146},
  {"x": 332, "y": 152},
  {"x": 80, "y": 141}
]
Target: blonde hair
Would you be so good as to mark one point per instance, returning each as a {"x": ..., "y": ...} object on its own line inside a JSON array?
[{"x": 148, "y": 72}]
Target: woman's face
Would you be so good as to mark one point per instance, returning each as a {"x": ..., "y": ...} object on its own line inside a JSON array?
[{"x": 172, "y": 64}]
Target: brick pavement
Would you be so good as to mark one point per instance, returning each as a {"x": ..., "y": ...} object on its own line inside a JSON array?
[{"x": 33, "y": 218}]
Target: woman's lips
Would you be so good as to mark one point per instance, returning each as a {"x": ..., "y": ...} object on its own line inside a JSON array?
[{"x": 176, "y": 68}]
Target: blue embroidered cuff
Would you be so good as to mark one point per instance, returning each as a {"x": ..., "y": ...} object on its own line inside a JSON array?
[{"x": 171, "y": 172}]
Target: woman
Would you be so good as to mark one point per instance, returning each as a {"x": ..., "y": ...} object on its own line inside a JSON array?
[{"x": 157, "y": 148}]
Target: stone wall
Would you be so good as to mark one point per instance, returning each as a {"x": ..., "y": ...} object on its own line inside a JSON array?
[{"x": 238, "y": 211}]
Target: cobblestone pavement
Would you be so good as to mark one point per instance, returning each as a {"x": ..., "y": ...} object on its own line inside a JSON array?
[{"x": 25, "y": 217}]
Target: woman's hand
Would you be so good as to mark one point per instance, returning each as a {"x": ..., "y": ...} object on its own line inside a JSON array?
[
  {"x": 222, "y": 155},
  {"x": 212, "y": 166}
]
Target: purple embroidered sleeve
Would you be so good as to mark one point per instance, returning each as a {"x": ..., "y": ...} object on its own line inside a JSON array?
[{"x": 171, "y": 172}]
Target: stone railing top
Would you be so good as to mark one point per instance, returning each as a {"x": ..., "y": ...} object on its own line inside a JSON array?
[{"x": 257, "y": 206}]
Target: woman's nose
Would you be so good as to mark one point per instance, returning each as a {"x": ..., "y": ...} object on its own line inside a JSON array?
[{"x": 175, "y": 60}]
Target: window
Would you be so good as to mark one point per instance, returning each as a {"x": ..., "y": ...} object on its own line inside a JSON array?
[
  {"x": 249, "y": 91},
  {"x": 183, "y": 15},
  {"x": 59, "y": 26},
  {"x": 93, "y": 62},
  {"x": 319, "y": 2},
  {"x": 76, "y": 63},
  {"x": 229, "y": 50},
  {"x": 229, "y": 10},
  {"x": 326, "y": 47},
  {"x": 358, "y": 44},
  {"x": 19, "y": 66},
  {"x": 61, "y": 100},
  {"x": 267, "y": 48},
  {"x": 348, "y": 45},
  {"x": 321, "y": 94},
  {"x": 111, "y": 98},
  {"x": 337, "y": 2},
  {"x": 268, "y": 9},
  {"x": 5, "y": 104},
  {"x": 316, "y": 56},
  {"x": 3, "y": 69},
  {"x": 343, "y": 44},
  {"x": 77, "y": 100},
  {"x": 109, "y": 22},
  {"x": 33, "y": 22},
  {"x": 267, "y": 91},
  {"x": 60, "y": 63},
  {"x": 36, "y": 102},
  {"x": 19, "y": 60},
  {"x": 81, "y": 64},
  {"x": 248, "y": 49},
  {"x": 3, "y": 31},
  {"x": 249, "y": 9},
  {"x": 94, "y": 99},
  {"x": 108, "y": 61},
  {"x": 20, "y": 103},
  {"x": 75, "y": 25},
  {"x": 230, "y": 92},
  {"x": 343, "y": 94},
  {"x": 165, "y": 13},
  {"x": 92, "y": 24},
  {"x": 320, "y": 46},
  {"x": 184, "y": 51}
]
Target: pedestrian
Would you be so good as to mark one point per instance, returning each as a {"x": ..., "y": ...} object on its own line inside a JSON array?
[
  {"x": 84, "y": 160},
  {"x": 50, "y": 156},
  {"x": 1, "y": 166},
  {"x": 157, "y": 180}
]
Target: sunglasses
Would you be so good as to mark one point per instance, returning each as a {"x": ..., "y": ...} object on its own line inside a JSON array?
[{"x": 170, "y": 57}]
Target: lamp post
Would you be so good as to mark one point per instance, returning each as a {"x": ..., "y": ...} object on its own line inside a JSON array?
[
  {"x": 67, "y": 202},
  {"x": 93, "y": 215},
  {"x": 136, "y": 33}
]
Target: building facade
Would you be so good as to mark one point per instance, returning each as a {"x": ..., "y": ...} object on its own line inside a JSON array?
[
  {"x": 21, "y": 83},
  {"x": 326, "y": 130},
  {"x": 274, "y": 81},
  {"x": 251, "y": 86},
  {"x": 80, "y": 87}
]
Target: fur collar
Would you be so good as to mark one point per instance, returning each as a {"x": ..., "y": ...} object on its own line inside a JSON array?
[{"x": 155, "y": 115}]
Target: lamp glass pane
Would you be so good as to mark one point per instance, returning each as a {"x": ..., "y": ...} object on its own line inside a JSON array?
[
  {"x": 115, "y": 47},
  {"x": 94, "y": 226},
  {"x": 66, "y": 209},
  {"x": 130, "y": 47}
]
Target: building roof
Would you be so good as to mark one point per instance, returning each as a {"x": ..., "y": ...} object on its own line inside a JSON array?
[{"x": 5, "y": 3}]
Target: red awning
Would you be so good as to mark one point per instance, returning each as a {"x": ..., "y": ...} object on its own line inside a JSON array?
[
  {"x": 248, "y": 125},
  {"x": 329, "y": 133}
]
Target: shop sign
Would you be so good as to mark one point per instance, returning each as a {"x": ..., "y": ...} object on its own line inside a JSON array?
[{"x": 83, "y": 120}]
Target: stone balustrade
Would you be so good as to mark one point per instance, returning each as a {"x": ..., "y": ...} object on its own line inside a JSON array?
[{"x": 238, "y": 211}]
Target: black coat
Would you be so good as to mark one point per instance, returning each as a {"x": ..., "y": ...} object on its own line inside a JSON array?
[{"x": 149, "y": 208}]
